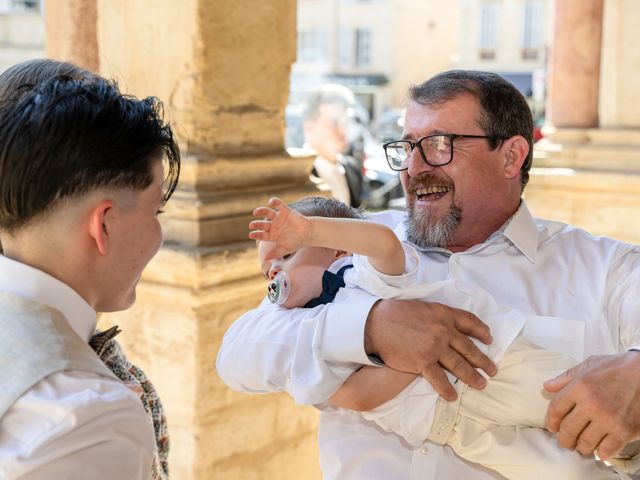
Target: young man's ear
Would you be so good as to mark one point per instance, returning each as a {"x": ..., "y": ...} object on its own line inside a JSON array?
[
  {"x": 100, "y": 225},
  {"x": 516, "y": 150}
]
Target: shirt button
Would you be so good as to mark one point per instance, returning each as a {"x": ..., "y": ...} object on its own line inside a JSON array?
[{"x": 424, "y": 450}]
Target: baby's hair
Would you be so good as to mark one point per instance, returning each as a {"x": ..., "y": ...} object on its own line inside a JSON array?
[{"x": 325, "y": 207}]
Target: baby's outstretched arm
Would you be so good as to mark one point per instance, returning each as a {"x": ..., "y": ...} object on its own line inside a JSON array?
[
  {"x": 290, "y": 230},
  {"x": 370, "y": 387}
]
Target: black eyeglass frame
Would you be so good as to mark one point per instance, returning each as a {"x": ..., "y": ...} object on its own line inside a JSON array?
[{"x": 450, "y": 136}]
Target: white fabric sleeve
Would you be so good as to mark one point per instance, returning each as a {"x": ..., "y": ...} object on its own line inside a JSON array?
[
  {"x": 365, "y": 276},
  {"x": 75, "y": 427},
  {"x": 308, "y": 353},
  {"x": 622, "y": 300}
]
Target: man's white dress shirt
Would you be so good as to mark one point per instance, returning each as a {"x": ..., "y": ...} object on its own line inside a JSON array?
[
  {"x": 72, "y": 424},
  {"x": 535, "y": 266}
]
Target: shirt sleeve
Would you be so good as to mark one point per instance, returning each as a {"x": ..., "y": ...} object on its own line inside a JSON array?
[
  {"x": 308, "y": 353},
  {"x": 622, "y": 302},
  {"x": 76, "y": 427},
  {"x": 367, "y": 277}
]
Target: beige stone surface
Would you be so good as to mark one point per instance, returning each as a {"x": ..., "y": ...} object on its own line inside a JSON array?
[
  {"x": 619, "y": 77},
  {"x": 574, "y": 67},
  {"x": 224, "y": 72},
  {"x": 604, "y": 204},
  {"x": 71, "y": 32},
  {"x": 186, "y": 301},
  {"x": 221, "y": 67}
]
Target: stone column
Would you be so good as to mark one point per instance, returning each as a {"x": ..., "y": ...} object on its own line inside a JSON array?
[
  {"x": 587, "y": 168},
  {"x": 222, "y": 69},
  {"x": 574, "y": 70},
  {"x": 71, "y": 32}
]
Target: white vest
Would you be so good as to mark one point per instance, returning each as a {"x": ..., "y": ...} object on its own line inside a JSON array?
[{"x": 36, "y": 341}]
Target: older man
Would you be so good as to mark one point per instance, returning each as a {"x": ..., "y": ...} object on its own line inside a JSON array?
[{"x": 464, "y": 159}]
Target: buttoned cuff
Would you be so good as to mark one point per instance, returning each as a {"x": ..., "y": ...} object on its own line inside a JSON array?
[{"x": 343, "y": 336}]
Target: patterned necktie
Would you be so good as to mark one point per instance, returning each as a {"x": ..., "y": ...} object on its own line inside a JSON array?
[{"x": 112, "y": 355}]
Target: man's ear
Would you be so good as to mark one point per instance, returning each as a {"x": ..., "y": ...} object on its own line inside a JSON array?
[
  {"x": 100, "y": 225},
  {"x": 515, "y": 150}
]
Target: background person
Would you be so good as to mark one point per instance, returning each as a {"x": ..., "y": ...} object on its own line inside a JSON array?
[
  {"x": 326, "y": 117},
  {"x": 466, "y": 217},
  {"x": 82, "y": 180}
]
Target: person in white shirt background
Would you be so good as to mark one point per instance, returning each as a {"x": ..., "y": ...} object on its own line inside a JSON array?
[
  {"x": 466, "y": 217},
  {"x": 326, "y": 116},
  {"x": 315, "y": 246},
  {"x": 84, "y": 173}
]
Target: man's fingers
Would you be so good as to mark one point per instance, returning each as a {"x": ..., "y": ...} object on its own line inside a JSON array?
[
  {"x": 458, "y": 366},
  {"x": 608, "y": 447},
  {"x": 556, "y": 384},
  {"x": 571, "y": 427},
  {"x": 471, "y": 325},
  {"x": 559, "y": 407},
  {"x": 589, "y": 439},
  {"x": 440, "y": 382},
  {"x": 465, "y": 347}
]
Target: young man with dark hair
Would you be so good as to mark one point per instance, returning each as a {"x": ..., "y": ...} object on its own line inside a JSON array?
[{"x": 84, "y": 173}]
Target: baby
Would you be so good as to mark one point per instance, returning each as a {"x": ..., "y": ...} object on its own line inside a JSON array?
[{"x": 314, "y": 247}]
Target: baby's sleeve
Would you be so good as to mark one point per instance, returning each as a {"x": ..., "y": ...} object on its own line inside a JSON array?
[{"x": 363, "y": 275}]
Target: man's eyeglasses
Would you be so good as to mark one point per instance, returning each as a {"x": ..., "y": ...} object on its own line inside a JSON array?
[{"x": 436, "y": 150}]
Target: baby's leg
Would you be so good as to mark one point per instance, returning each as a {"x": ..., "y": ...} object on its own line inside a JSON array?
[
  {"x": 515, "y": 395},
  {"x": 502, "y": 426},
  {"x": 523, "y": 453}
]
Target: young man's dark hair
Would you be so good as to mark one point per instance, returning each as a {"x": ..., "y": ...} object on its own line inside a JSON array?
[
  {"x": 20, "y": 79},
  {"x": 84, "y": 173},
  {"x": 505, "y": 112},
  {"x": 66, "y": 137}
]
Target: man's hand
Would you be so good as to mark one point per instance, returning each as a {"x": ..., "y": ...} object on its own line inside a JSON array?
[
  {"x": 597, "y": 404},
  {"x": 428, "y": 338}
]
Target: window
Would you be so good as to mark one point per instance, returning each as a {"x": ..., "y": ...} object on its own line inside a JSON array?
[
  {"x": 532, "y": 26},
  {"x": 13, "y": 6},
  {"x": 489, "y": 21},
  {"x": 363, "y": 47},
  {"x": 311, "y": 47}
]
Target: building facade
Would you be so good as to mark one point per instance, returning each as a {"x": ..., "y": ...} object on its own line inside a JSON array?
[{"x": 379, "y": 47}]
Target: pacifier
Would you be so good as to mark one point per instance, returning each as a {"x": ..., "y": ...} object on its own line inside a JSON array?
[{"x": 279, "y": 288}]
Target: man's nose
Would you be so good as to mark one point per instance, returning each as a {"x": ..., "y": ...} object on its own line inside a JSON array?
[{"x": 416, "y": 164}]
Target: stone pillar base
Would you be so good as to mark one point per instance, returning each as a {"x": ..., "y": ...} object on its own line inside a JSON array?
[
  {"x": 589, "y": 178},
  {"x": 186, "y": 300}
]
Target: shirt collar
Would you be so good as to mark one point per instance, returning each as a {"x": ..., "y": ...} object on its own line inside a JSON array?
[
  {"x": 33, "y": 284},
  {"x": 520, "y": 230}
]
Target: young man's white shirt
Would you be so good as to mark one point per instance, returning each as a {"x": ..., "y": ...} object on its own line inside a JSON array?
[
  {"x": 591, "y": 286},
  {"x": 72, "y": 424}
]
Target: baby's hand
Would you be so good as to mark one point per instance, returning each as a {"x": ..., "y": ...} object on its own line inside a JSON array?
[{"x": 286, "y": 228}]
